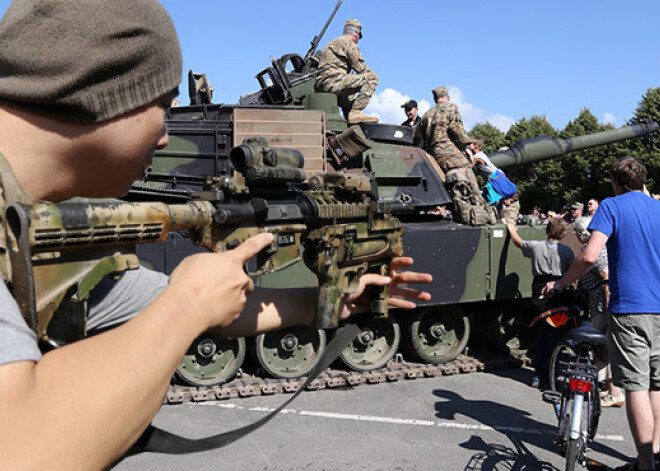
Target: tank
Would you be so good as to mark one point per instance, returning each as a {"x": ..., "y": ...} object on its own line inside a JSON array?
[{"x": 482, "y": 283}]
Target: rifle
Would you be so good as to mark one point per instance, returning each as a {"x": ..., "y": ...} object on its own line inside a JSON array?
[
  {"x": 336, "y": 223},
  {"x": 317, "y": 39}
]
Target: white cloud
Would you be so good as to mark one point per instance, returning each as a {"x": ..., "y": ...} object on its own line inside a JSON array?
[
  {"x": 386, "y": 106},
  {"x": 609, "y": 118},
  {"x": 501, "y": 122}
]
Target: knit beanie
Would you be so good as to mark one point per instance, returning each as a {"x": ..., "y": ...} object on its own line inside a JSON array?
[{"x": 87, "y": 60}]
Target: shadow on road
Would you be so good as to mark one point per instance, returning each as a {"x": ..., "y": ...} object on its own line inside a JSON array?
[
  {"x": 495, "y": 457},
  {"x": 518, "y": 425}
]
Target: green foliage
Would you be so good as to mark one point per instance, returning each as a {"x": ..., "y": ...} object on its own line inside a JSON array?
[
  {"x": 586, "y": 173},
  {"x": 581, "y": 175},
  {"x": 493, "y": 138},
  {"x": 647, "y": 149},
  {"x": 528, "y": 128},
  {"x": 546, "y": 188}
]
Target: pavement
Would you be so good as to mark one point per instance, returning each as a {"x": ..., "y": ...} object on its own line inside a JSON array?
[{"x": 478, "y": 421}]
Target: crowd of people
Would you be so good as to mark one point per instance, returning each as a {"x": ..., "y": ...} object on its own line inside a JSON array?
[
  {"x": 628, "y": 310},
  {"x": 619, "y": 244}
]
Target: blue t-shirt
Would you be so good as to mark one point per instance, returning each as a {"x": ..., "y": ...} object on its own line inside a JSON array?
[{"x": 631, "y": 222}]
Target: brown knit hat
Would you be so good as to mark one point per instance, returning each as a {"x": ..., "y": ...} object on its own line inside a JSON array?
[{"x": 87, "y": 60}]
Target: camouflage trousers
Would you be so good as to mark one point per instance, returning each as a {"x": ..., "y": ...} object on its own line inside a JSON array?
[
  {"x": 469, "y": 206},
  {"x": 449, "y": 157},
  {"x": 510, "y": 213},
  {"x": 353, "y": 90}
]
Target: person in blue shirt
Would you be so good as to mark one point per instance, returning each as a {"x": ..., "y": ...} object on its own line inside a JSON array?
[{"x": 629, "y": 225}]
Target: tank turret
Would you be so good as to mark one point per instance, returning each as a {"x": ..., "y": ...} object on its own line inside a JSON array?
[{"x": 541, "y": 148}]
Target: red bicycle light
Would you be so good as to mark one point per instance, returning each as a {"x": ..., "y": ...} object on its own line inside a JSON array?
[
  {"x": 557, "y": 319},
  {"x": 581, "y": 385}
]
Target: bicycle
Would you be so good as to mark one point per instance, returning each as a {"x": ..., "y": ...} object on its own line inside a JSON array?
[{"x": 574, "y": 381}]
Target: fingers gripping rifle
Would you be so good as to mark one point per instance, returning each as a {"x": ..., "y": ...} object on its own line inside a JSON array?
[{"x": 336, "y": 220}]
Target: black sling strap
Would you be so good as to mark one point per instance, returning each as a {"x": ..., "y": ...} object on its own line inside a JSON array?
[{"x": 156, "y": 440}]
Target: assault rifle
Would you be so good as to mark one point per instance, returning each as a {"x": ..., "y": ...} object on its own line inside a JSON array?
[{"x": 335, "y": 222}]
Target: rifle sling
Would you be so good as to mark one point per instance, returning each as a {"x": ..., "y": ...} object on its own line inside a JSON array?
[{"x": 156, "y": 440}]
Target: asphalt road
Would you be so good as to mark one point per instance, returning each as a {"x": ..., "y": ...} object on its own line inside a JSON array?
[{"x": 478, "y": 421}]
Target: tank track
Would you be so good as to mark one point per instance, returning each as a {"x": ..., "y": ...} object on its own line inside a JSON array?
[{"x": 246, "y": 385}]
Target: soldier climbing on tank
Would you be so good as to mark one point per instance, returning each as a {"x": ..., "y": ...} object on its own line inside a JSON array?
[
  {"x": 338, "y": 58},
  {"x": 445, "y": 137}
]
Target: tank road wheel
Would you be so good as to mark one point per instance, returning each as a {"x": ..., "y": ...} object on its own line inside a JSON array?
[
  {"x": 507, "y": 330},
  {"x": 438, "y": 334},
  {"x": 374, "y": 346},
  {"x": 289, "y": 353},
  {"x": 211, "y": 360}
]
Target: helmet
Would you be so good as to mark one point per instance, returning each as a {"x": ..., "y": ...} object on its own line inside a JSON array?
[{"x": 581, "y": 225}]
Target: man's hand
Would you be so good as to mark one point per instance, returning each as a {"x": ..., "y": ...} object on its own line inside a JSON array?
[
  {"x": 215, "y": 285},
  {"x": 550, "y": 286},
  {"x": 360, "y": 300}
]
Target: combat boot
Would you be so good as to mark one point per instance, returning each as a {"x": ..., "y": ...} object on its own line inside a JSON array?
[{"x": 357, "y": 116}]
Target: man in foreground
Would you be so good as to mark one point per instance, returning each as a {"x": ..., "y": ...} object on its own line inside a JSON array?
[
  {"x": 84, "y": 86},
  {"x": 628, "y": 224},
  {"x": 338, "y": 59}
]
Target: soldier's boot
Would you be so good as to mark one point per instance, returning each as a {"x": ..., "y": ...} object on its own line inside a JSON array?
[{"x": 357, "y": 116}]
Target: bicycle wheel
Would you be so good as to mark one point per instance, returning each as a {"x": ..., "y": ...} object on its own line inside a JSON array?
[
  {"x": 562, "y": 355},
  {"x": 573, "y": 450},
  {"x": 594, "y": 413},
  {"x": 575, "y": 447}
]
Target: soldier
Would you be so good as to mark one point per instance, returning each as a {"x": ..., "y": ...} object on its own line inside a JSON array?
[
  {"x": 338, "y": 58},
  {"x": 100, "y": 76},
  {"x": 410, "y": 108},
  {"x": 592, "y": 206},
  {"x": 444, "y": 136}
]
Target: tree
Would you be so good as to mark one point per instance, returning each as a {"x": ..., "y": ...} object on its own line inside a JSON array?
[
  {"x": 648, "y": 149},
  {"x": 586, "y": 172},
  {"x": 546, "y": 187},
  {"x": 493, "y": 138},
  {"x": 528, "y": 128}
]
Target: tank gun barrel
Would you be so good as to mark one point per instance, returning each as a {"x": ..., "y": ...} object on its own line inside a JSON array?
[{"x": 541, "y": 148}]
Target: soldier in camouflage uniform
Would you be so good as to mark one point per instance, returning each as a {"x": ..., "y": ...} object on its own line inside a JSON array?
[
  {"x": 442, "y": 130},
  {"x": 338, "y": 59}
]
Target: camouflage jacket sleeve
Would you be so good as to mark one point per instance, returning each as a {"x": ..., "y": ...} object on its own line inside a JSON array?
[
  {"x": 419, "y": 130},
  {"x": 455, "y": 128},
  {"x": 355, "y": 60}
]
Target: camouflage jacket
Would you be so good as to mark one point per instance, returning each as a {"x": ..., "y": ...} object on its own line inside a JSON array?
[
  {"x": 443, "y": 132},
  {"x": 339, "y": 57}
]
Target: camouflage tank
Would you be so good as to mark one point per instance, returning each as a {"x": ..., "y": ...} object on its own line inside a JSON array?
[{"x": 480, "y": 279}]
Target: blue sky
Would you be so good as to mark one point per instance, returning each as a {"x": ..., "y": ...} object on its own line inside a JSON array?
[{"x": 501, "y": 59}]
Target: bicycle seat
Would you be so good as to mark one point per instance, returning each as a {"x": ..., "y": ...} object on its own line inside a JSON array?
[{"x": 587, "y": 334}]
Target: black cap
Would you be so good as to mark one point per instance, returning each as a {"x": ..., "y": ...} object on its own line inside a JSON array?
[{"x": 409, "y": 104}]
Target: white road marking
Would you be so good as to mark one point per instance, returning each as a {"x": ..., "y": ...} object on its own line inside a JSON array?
[{"x": 400, "y": 421}]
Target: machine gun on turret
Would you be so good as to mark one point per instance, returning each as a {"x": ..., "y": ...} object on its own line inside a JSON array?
[
  {"x": 289, "y": 79},
  {"x": 314, "y": 44}
]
